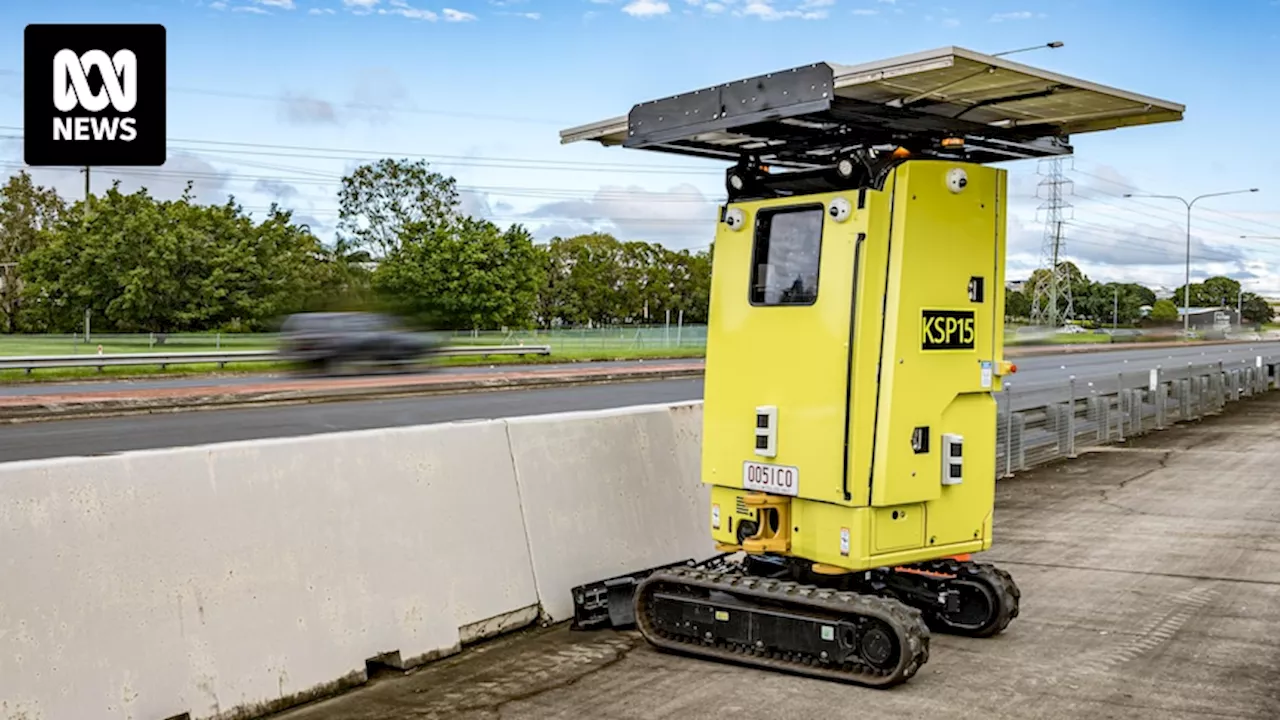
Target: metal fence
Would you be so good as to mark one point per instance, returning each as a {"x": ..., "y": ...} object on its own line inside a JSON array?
[
  {"x": 225, "y": 357},
  {"x": 637, "y": 338},
  {"x": 1045, "y": 423},
  {"x": 632, "y": 338}
]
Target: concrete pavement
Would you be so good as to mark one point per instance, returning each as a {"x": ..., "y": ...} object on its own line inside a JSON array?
[{"x": 1150, "y": 590}]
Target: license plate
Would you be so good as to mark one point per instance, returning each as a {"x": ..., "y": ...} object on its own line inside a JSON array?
[{"x": 775, "y": 479}]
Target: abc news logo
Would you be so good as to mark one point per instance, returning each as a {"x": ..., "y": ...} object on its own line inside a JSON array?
[
  {"x": 71, "y": 91},
  {"x": 94, "y": 95}
]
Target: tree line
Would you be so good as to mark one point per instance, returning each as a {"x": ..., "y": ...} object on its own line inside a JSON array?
[
  {"x": 136, "y": 263},
  {"x": 1102, "y": 304}
]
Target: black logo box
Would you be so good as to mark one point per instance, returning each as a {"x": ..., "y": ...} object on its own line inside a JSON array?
[
  {"x": 947, "y": 329},
  {"x": 41, "y": 42}
]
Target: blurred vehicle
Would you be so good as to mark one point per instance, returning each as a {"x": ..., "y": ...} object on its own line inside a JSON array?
[{"x": 328, "y": 341}]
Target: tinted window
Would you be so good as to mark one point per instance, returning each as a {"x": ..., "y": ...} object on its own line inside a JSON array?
[{"x": 784, "y": 265}]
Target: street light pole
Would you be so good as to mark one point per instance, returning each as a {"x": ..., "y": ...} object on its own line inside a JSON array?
[
  {"x": 1186, "y": 294},
  {"x": 1054, "y": 44}
]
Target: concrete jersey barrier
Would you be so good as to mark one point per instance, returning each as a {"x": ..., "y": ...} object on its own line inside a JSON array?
[
  {"x": 609, "y": 492},
  {"x": 233, "y": 579}
]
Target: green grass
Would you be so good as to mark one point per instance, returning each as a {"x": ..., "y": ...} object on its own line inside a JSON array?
[
  {"x": 578, "y": 345},
  {"x": 1080, "y": 339},
  {"x": 119, "y": 373}
]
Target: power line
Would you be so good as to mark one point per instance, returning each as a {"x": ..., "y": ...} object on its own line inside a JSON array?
[
  {"x": 1136, "y": 189},
  {"x": 661, "y": 197},
  {"x": 369, "y": 106},
  {"x": 310, "y": 152}
]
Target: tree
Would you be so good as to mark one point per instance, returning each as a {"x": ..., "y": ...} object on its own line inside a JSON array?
[
  {"x": 1217, "y": 291},
  {"x": 586, "y": 278},
  {"x": 26, "y": 210},
  {"x": 379, "y": 200},
  {"x": 1164, "y": 311},
  {"x": 1143, "y": 294},
  {"x": 1256, "y": 309},
  {"x": 1107, "y": 303},
  {"x": 1016, "y": 304},
  {"x": 464, "y": 275},
  {"x": 140, "y": 265}
]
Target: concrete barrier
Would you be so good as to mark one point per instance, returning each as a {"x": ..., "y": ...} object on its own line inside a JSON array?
[
  {"x": 232, "y": 580},
  {"x": 229, "y": 580},
  {"x": 608, "y": 492}
]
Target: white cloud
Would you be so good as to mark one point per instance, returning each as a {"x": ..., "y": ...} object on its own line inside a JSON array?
[
  {"x": 250, "y": 9},
  {"x": 282, "y": 4},
  {"x": 219, "y": 5},
  {"x": 277, "y": 190},
  {"x": 765, "y": 11},
  {"x": 1020, "y": 15},
  {"x": 682, "y": 217},
  {"x": 646, "y": 8},
  {"x": 530, "y": 15},
  {"x": 451, "y": 15},
  {"x": 810, "y": 4},
  {"x": 714, "y": 8},
  {"x": 359, "y": 4},
  {"x": 167, "y": 182},
  {"x": 321, "y": 11},
  {"x": 951, "y": 22},
  {"x": 304, "y": 109},
  {"x": 403, "y": 9},
  {"x": 866, "y": 11}
]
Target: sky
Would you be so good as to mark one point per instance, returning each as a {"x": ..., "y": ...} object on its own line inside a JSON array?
[{"x": 274, "y": 100}]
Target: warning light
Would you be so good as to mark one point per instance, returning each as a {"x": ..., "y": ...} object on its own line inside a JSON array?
[
  {"x": 901, "y": 152},
  {"x": 952, "y": 142}
]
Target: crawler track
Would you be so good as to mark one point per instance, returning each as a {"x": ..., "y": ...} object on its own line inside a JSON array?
[
  {"x": 994, "y": 598},
  {"x": 782, "y": 625}
]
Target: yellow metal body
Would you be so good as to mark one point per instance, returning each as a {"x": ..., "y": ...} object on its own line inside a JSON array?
[{"x": 839, "y": 383}]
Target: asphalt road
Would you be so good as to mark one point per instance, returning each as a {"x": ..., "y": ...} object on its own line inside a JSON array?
[
  {"x": 61, "y": 438},
  {"x": 107, "y": 435}
]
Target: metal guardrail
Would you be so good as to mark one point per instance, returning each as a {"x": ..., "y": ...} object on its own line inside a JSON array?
[
  {"x": 1046, "y": 423},
  {"x": 225, "y": 357}
]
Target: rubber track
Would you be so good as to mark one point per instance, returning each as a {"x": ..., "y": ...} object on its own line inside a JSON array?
[
  {"x": 1007, "y": 592},
  {"x": 908, "y": 624}
]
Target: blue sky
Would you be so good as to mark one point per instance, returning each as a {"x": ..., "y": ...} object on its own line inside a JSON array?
[{"x": 482, "y": 87}]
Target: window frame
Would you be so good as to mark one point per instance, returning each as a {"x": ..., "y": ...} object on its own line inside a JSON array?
[{"x": 763, "y": 218}]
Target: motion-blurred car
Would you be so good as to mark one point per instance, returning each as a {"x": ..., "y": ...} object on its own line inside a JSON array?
[{"x": 330, "y": 341}]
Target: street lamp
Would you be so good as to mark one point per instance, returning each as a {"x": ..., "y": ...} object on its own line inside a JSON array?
[
  {"x": 1186, "y": 295},
  {"x": 1054, "y": 44}
]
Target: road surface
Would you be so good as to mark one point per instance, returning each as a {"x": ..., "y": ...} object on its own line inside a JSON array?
[{"x": 59, "y": 438}]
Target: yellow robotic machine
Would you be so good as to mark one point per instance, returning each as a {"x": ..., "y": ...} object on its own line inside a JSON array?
[{"x": 854, "y": 347}]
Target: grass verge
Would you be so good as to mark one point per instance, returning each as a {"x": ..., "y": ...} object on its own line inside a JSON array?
[{"x": 247, "y": 368}]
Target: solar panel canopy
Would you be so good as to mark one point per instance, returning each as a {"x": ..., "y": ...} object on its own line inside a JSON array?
[{"x": 947, "y": 101}]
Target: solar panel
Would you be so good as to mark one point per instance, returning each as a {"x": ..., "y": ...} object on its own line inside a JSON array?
[{"x": 948, "y": 102}]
